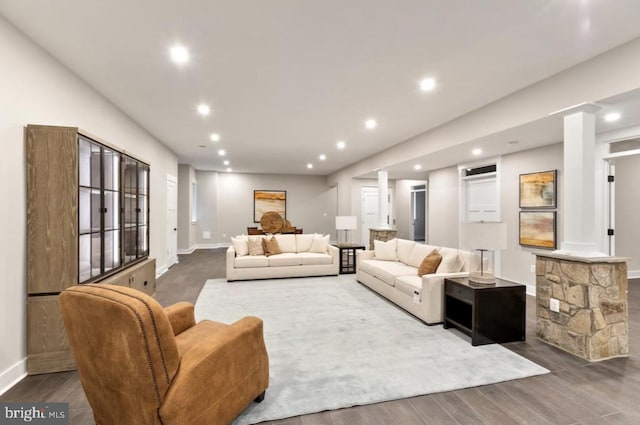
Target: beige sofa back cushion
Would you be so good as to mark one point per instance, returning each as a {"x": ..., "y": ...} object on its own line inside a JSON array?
[
  {"x": 240, "y": 245},
  {"x": 320, "y": 244},
  {"x": 418, "y": 253},
  {"x": 404, "y": 249},
  {"x": 385, "y": 250},
  {"x": 287, "y": 243},
  {"x": 303, "y": 242}
]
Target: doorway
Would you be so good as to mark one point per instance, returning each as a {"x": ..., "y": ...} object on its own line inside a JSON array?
[
  {"x": 370, "y": 211},
  {"x": 418, "y": 213},
  {"x": 172, "y": 220}
]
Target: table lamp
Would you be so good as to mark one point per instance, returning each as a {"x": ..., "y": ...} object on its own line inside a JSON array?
[
  {"x": 483, "y": 236},
  {"x": 346, "y": 223}
]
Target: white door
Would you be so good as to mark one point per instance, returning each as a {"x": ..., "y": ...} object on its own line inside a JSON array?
[
  {"x": 370, "y": 212},
  {"x": 172, "y": 220}
]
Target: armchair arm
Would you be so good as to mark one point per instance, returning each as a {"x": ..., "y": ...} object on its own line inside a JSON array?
[
  {"x": 228, "y": 368},
  {"x": 181, "y": 316}
]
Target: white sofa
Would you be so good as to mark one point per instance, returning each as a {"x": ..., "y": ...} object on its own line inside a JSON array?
[
  {"x": 396, "y": 276},
  {"x": 302, "y": 255}
]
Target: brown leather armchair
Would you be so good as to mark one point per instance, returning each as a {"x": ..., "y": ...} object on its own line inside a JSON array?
[{"x": 140, "y": 364}]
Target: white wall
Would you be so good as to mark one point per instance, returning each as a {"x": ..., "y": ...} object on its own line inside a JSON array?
[
  {"x": 443, "y": 207},
  {"x": 516, "y": 259},
  {"x": 225, "y": 202},
  {"x": 627, "y": 206},
  {"x": 35, "y": 89}
]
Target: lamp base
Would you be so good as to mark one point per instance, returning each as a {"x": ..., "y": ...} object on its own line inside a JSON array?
[{"x": 481, "y": 278}]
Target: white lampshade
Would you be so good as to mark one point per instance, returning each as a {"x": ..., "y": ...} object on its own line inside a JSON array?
[
  {"x": 485, "y": 235},
  {"x": 346, "y": 222}
]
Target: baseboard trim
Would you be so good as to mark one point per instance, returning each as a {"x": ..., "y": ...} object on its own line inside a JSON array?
[
  {"x": 213, "y": 245},
  {"x": 162, "y": 270},
  {"x": 633, "y": 274},
  {"x": 13, "y": 375},
  {"x": 187, "y": 251}
]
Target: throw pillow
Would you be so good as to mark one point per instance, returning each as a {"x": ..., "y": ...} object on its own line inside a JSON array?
[
  {"x": 270, "y": 246},
  {"x": 451, "y": 261},
  {"x": 430, "y": 263},
  {"x": 255, "y": 245},
  {"x": 240, "y": 245},
  {"x": 385, "y": 250},
  {"x": 319, "y": 244}
]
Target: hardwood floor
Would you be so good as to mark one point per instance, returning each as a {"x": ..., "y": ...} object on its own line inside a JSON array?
[{"x": 575, "y": 392}]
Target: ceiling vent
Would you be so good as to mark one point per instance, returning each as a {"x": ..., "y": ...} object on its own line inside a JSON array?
[{"x": 476, "y": 171}]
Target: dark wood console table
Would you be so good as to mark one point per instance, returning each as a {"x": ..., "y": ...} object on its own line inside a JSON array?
[
  {"x": 488, "y": 314},
  {"x": 256, "y": 231}
]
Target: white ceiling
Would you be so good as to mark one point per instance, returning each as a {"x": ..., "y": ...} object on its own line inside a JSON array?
[{"x": 286, "y": 79}]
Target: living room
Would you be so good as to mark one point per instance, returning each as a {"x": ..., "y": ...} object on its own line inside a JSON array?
[{"x": 45, "y": 85}]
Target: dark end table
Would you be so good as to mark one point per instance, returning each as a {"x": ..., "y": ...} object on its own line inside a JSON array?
[
  {"x": 488, "y": 314},
  {"x": 347, "y": 257}
]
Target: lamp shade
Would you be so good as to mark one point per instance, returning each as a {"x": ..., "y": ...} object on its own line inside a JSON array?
[
  {"x": 485, "y": 235},
  {"x": 346, "y": 222}
]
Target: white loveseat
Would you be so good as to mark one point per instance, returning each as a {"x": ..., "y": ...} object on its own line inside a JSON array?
[
  {"x": 302, "y": 255},
  {"x": 394, "y": 275}
]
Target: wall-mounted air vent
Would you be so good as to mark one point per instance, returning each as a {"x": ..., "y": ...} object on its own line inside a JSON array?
[{"x": 485, "y": 169}]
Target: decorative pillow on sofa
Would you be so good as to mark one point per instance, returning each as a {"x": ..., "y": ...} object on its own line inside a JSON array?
[
  {"x": 418, "y": 253},
  {"x": 255, "y": 245},
  {"x": 270, "y": 246},
  {"x": 319, "y": 244},
  {"x": 404, "y": 249},
  {"x": 385, "y": 250},
  {"x": 430, "y": 263},
  {"x": 240, "y": 245},
  {"x": 451, "y": 261}
]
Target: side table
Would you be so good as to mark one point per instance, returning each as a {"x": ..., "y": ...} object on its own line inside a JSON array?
[
  {"x": 348, "y": 257},
  {"x": 486, "y": 313}
]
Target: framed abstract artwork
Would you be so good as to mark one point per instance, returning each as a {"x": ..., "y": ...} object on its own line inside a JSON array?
[
  {"x": 538, "y": 190},
  {"x": 538, "y": 229},
  {"x": 269, "y": 200}
]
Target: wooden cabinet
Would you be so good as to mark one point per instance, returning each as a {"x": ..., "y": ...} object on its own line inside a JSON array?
[{"x": 87, "y": 221}]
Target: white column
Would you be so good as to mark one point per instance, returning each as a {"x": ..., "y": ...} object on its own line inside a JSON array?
[
  {"x": 579, "y": 185},
  {"x": 383, "y": 195}
]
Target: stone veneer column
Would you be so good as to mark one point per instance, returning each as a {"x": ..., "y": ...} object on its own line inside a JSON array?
[{"x": 593, "y": 319}]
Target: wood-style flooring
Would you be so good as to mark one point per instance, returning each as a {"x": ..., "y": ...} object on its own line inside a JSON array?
[{"x": 575, "y": 392}]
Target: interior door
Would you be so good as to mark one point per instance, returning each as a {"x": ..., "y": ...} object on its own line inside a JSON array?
[
  {"x": 172, "y": 220},
  {"x": 418, "y": 215}
]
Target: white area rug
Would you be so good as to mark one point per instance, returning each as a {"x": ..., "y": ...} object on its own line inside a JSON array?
[{"x": 333, "y": 343}]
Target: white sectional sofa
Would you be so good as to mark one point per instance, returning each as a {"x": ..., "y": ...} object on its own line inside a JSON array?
[
  {"x": 302, "y": 255},
  {"x": 394, "y": 275}
]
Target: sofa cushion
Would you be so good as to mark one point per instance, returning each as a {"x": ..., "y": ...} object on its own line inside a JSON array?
[
  {"x": 320, "y": 244},
  {"x": 255, "y": 245},
  {"x": 285, "y": 259},
  {"x": 249, "y": 261},
  {"x": 240, "y": 245},
  {"x": 303, "y": 242},
  {"x": 451, "y": 261},
  {"x": 314, "y": 258},
  {"x": 418, "y": 253},
  {"x": 385, "y": 250},
  {"x": 403, "y": 250},
  {"x": 271, "y": 246},
  {"x": 409, "y": 284},
  {"x": 287, "y": 243},
  {"x": 386, "y": 270},
  {"x": 430, "y": 263}
]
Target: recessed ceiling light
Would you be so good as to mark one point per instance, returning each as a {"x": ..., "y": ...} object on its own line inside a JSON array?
[
  {"x": 309, "y": 165},
  {"x": 222, "y": 152},
  {"x": 370, "y": 124},
  {"x": 226, "y": 162},
  {"x": 322, "y": 157},
  {"x": 229, "y": 170},
  {"x": 427, "y": 84},
  {"x": 476, "y": 151},
  {"x": 215, "y": 137},
  {"x": 612, "y": 116},
  {"x": 341, "y": 144},
  {"x": 179, "y": 54},
  {"x": 204, "y": 109},
  {"x": 417, "y": 167}
]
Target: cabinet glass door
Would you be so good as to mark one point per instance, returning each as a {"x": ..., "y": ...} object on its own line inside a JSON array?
[{"x": 136, "y": 210}]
